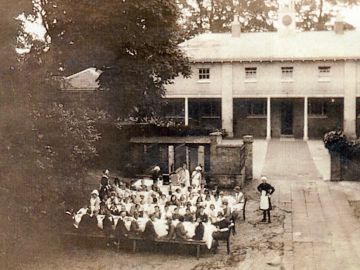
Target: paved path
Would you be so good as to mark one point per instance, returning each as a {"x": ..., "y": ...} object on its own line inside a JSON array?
[
  {"x": 321, "y": 232},
  {"x": 289, "y": 160}
]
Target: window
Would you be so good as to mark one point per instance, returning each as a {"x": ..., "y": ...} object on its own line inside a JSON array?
[
  {"x": 250, "y": 73},
  {"x": 204, "y": 73},
  {"x": 173, "y": 108},
  {"x": 317, "y": 108},
  {"x": 287, "y": 73},
  {"x": 257, "y": 108},
  {"x": 324, "y": 72}
]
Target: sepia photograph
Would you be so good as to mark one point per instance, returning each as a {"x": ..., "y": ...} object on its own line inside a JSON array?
[{"x": 180, "y": 134}]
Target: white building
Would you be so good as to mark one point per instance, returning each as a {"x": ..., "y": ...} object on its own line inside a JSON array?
[{"x": 271, "y": 84}]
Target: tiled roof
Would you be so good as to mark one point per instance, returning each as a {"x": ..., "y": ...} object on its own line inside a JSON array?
[
  {"x": 85, "y": 80},
  {"x": 274, "y": 46}
]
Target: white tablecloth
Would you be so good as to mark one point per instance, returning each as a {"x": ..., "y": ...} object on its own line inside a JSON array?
[{"x": 161, "y": 228}]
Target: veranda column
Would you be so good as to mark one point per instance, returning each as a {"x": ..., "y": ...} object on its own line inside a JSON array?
[
  {"x": 268, "y": 119},
  {"x": 186, "y": 111},
  {"x": 350, "y": 99},
  {"x": 171, "y": 156},
  {"x": 306, "y": 124},
  {"x": 201, "y": 156},
  {"x": 227, "y": 99}
]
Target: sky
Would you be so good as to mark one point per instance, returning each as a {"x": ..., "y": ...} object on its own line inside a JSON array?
[{"x": 350, "y": 15}]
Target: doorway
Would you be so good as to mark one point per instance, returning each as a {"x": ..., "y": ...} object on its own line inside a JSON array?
[{"x": 286, "y": 118}]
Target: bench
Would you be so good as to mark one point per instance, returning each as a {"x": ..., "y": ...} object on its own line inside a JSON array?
[
  {"x": 136, "y": 239},
  {"x": 191, "y": 242}
]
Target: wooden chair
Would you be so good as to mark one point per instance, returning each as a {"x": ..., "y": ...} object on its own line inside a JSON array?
[
  {"x": 233, "y": 219},
  {"x": 226, "y": 237}
]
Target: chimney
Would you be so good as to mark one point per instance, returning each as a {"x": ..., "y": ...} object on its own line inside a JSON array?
[
  {"x": 339, "y": 24},
  {"x": 235, "y": 27}
]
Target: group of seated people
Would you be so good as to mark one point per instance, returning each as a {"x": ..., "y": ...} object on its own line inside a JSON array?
[{"x": 166, "y": 212}]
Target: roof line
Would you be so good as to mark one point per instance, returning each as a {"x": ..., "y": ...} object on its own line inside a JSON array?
[{"x": 312, "y": 59}]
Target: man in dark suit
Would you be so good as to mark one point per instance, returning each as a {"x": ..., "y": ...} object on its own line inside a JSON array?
[{"x": 223, "y": 230}]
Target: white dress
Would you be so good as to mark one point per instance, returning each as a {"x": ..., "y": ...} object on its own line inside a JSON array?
[{"x": 196, "y": 178}]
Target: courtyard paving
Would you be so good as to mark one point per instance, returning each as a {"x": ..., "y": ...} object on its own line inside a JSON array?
[{"x": 321, "y": 231}]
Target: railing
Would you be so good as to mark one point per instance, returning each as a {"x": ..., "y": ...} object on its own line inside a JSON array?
[{"x": 242, "y": 156}]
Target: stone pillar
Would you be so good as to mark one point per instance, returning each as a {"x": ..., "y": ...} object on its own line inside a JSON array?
[
  {"x": 335, "y": 164},
  {"x": 186, "y": 111},
  {"x": 227, "y": 99},
  {"x": 215, "y": 139},
  {"x": 268, "y": 119},
  {"x": 306, "y": 136},
  {"x": 171, "y": 158},
  {"x": 201, "y": 155},
  {"x": 248, "y": 141},
  {"x": 350, "y": 99}
]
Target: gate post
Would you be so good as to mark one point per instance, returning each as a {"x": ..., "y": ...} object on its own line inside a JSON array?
[
  {"x": 248, "y": 142},
  {"x": 335, "y": 164}
]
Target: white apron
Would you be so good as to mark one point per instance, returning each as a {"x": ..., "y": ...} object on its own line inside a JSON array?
[{"x": 264, "y": 201}]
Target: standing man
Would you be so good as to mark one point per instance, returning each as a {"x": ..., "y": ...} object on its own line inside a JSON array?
[
  {"x": 155, "y": 174},
  {"x": 266, "y": 191}
]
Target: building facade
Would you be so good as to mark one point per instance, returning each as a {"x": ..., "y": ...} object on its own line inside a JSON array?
[{"x": 273, "y": 84}]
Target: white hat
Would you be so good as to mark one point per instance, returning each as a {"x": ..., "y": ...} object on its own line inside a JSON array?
[
  {"x": 263, "y": 178},
  {"x": 198, "y": 168},
  {"x": 95, "y": 192},
  {"x": 156, "y": 168}
]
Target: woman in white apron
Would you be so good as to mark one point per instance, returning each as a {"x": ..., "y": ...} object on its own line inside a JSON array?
[
  {"x": 196, "y": 177},
  {"x": 266, "y": 191}
]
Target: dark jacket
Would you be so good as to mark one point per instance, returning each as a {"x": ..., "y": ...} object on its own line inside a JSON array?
[
  {"x": 199, "y": 232},
  {"x": 180, "y": 231},
  {"x": 134, "y": 228},
  {"x": 189, "y": 217},
  {"x": 121, "y": 230},
  {"x": 267, "y": 187},
  {"x": 149, "y": 232},
  {"x": 221, "y": 235},
  {"x": 204, "y": 217},
  {"x": 171, "y": 232},
  {"x": 107, "y": 225}
]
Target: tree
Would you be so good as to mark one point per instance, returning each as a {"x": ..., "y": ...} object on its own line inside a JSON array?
[
  {"x": 216, "y": 15},
  {"x": 316, "y": 15},
  {"x": 135, "y": 43}
]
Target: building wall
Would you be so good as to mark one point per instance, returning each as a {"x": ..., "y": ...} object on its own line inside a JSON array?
[
  {"x": 333, "y": 120},
  {"x": 194, "y": 87},
  {"x": 305, "y": 79},
  {"x": 245, "y": 124},
  {"x": 306, "y": 82},
  {"x": 268, "y": 82}
]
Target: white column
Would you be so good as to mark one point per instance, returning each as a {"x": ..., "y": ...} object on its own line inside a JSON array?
[
  {"x": 350, "y": 99},
  {"x": 186, "y": 111},
  {"x": 201, "y": 155},
  {"x": 227, "y": 99},
  {"x": 171, "y": 158},
  {"x": 268, "y": 119},
  {"x": 306, "y": 136}
]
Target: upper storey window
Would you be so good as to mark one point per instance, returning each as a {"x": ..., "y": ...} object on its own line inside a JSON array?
[
  {"x": 250, "y": 73},
  {"x": 204, "y": 73},
  {"x": 324, "y": 73},
  {"x": 287, "y": 73}
]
